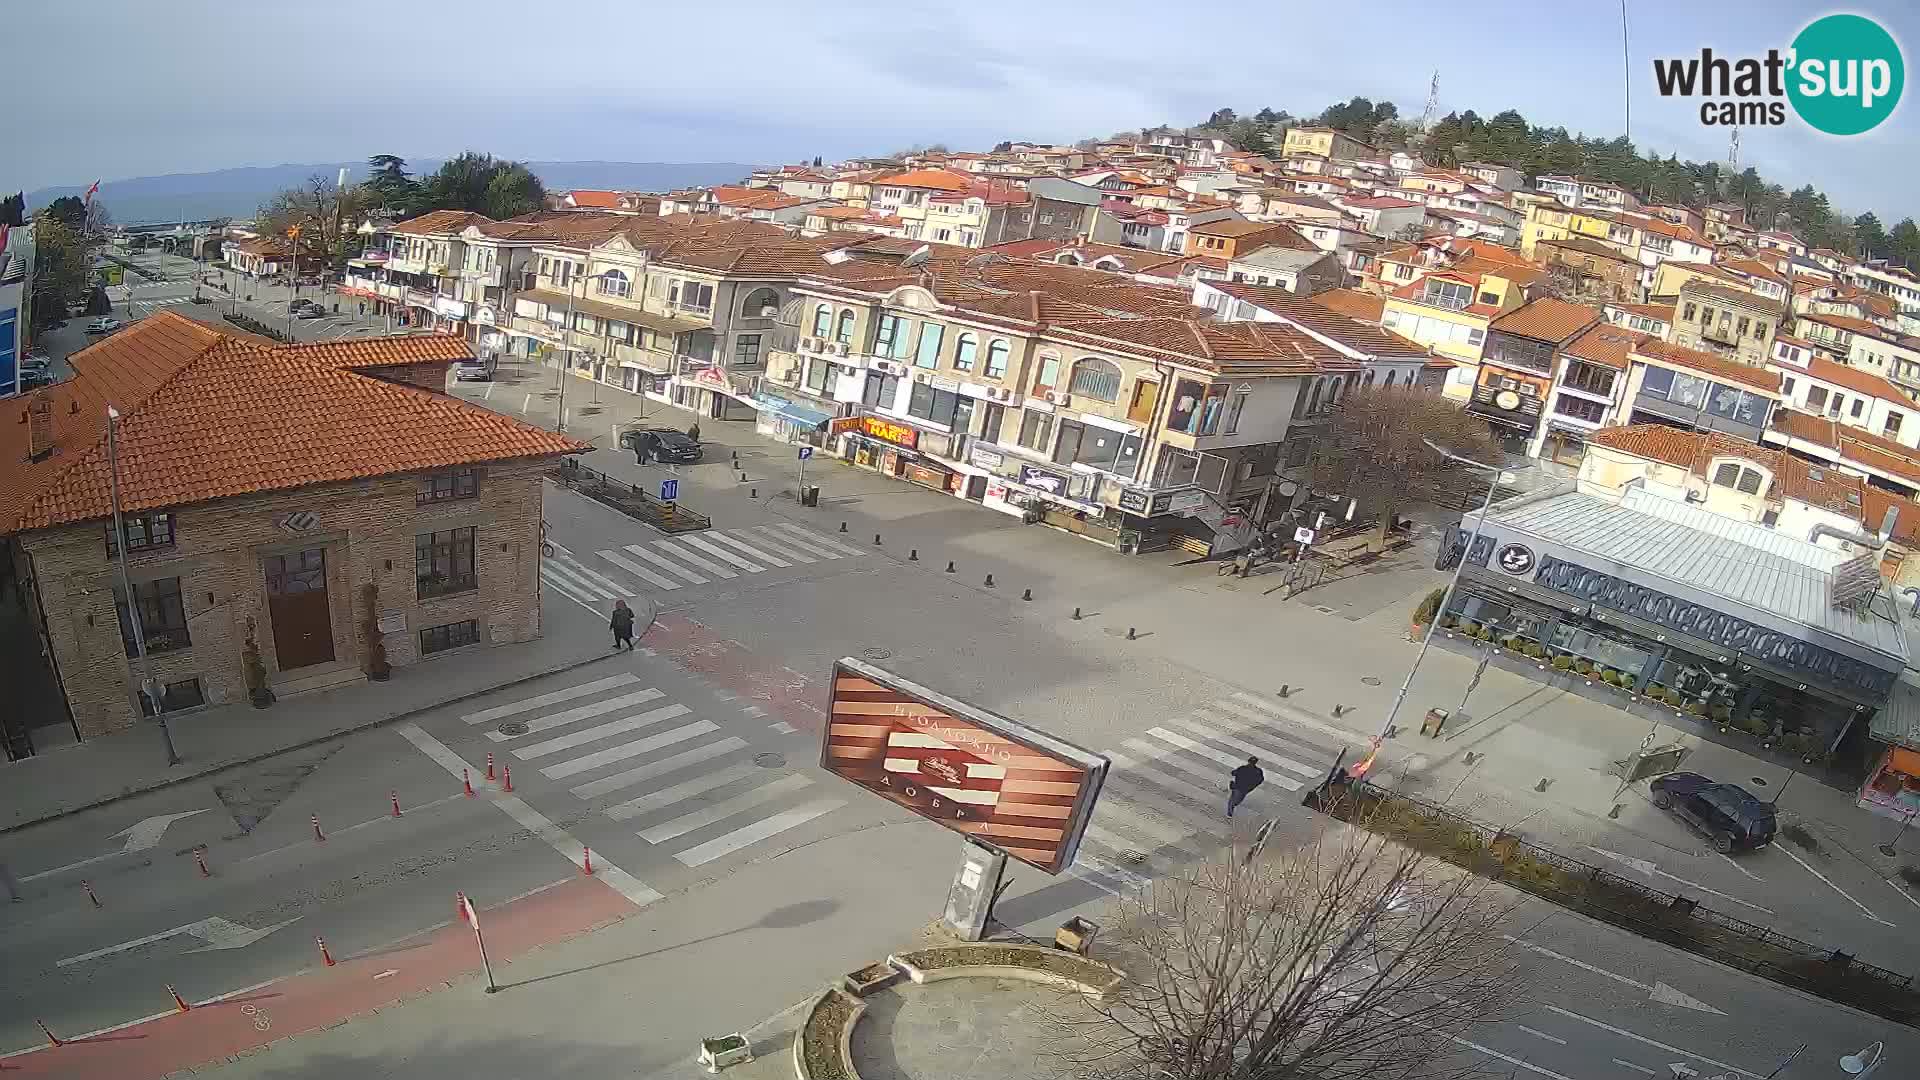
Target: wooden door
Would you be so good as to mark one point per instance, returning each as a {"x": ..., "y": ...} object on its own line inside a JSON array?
[{"x": 297, "y": 607}]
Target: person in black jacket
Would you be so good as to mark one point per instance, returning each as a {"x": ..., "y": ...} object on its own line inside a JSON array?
[
  {"x": 1245, "y": 779},
  {"x": 622, "y": 625}
]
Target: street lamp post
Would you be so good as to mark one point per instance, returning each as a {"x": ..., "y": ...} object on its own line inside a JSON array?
[
  {"x": 1453, "y": 583},
  {"x": 566, "y": 348},
  {"x": 146, "y": 686}
]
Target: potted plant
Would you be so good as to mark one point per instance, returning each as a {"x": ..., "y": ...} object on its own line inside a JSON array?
[
  {"x": 256, "y": 671},
  {"x": 1536, "y": 650},
  {"x": 1563, "y": 662},
  {"x": 1426, "y": 609},
  {"x": 1583, "y": 666},
  {"x": 1470, "y": 628},
  {"x": 1611, "y": 677},
  {"x": 378, "y": 669},
  {"x": 720, "y": 1051}
]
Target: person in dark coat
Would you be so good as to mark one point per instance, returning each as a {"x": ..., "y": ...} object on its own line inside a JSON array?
[
  {"x": 622, "y": 625},
  {"x": 1245, "y": 779}
]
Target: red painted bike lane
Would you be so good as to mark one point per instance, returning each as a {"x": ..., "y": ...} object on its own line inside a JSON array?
[
  {"x": 323, "y": 997},
  {"x": 785, "y": 694}
]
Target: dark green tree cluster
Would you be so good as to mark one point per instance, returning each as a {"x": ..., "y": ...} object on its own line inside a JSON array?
[{"x": 478, "y": 182}]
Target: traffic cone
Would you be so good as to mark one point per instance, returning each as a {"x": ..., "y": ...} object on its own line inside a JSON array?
[
  {"x": 52, "y": 1039},
  {"x": 490, "y": 775},
  {"x": 324, "y": 954},
  {"x": 506, "y": 771},
  {"x": 200, "y": 856},
  {"x": 587, "y": 863},
  {"x": 318, "y": 836},
  {"x": 395, "y": 796},
  {"x": 466, "y": 781},
  {"x": 179, "y": 1002}
]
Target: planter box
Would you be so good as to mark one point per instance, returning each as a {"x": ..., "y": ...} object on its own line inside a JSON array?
[
  {"x": 720, "y": 1051},
  {"x": 1072, "y": 972}
]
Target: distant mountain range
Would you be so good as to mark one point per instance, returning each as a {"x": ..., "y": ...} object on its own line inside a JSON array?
[{"x": 239, "y": 192}]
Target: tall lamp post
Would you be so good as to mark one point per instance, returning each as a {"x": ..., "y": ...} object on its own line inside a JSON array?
[
  {"x": 146, "y": 685},
  {"x": 1497, "y": 475},
  {"x": 566, "y": 347}
]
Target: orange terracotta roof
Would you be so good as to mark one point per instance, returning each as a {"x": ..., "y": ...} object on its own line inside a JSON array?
[
  {"x": 599, "y": 200},
  {"x": 1606, "y": 344},
  {"x": 1547, "y": 319},
  {"x": 440, "y": 223},
  {"x": 1856, "y": 379},
  {"x": 1679, "y": 356},
  {"x": 1659, "y": 312},
  {"x": 208, "y": 415},
  {"x": 1806, "y": 427},
  {"x": 1352, "y": 303},
  {"x": 1346, "y": 330},
  {"x": 936, "y": 179}
]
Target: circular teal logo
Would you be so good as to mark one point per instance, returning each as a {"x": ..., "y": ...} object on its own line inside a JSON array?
[{"x": 1847, "y": 74}]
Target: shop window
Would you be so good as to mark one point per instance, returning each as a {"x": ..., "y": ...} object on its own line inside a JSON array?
[
  {"x": 163, "y": 616},
  {"x": 448, "y": 486},
  {"x": 882, "y": 391},
  {"x": 1036, "y": 431},
  {"x": 934, "y": 406},
  {"x": 443, "y": 562},
  {"x": 174, "y": 696},
  {"x": 145, "y": 532},
  {"x": 453, "y": 635}
]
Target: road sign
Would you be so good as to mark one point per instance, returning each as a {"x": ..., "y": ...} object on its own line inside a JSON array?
[
  {"x": 1303, "y": 536},
  {"x": 806, "y": 452},
  {"x": 669, "y": 489}
]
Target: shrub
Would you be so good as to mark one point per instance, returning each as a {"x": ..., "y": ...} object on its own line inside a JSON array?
[
  {"x": 1470, "y": 628},
  {"x": 1562, "y": 662},
  {"x": 1428, "y": 607},
  {"x": 1610, "y": 677},
  {"x": 1583, "y": 666},
  {"x": 1534, "y": 650}
]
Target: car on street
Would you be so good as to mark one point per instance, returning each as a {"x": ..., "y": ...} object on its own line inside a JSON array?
[
  {"x": 311, "y": 311},
  {"x": 103, "y": 325},
  {"x": 662, "y": 444},
  {"x": 1726, "y": 814},
  {"x": 474, "y": 369}
]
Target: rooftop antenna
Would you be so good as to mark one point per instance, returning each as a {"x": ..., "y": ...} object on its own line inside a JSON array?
[{"x": 1433, "y": 103}]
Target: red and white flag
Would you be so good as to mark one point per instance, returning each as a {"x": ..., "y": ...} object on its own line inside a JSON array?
[
  {"x": 89, "y": 197},
  {"x": 473, "y": 917}
]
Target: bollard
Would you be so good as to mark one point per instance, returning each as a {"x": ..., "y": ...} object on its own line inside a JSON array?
[
  {"x": 1286, "y": 689},
  {"x": 506, "y": 772},
  {"x": 753, "y": 493},
  {"x": 1339, "y": 710},
  {"x": 843, "y": 526},
  {"x": 325, "y": 956},
  {"x": 466, "y": 781},
  {"x": 200, "y": 856},
  {"x": 318, "y": 836},
  {"x": 913, "y": 555},
  {"x": 743, "y": 476},
  {"x": 88, "y": 885},
  {"x": 586, "y": 860},
  {"x": 1470, "y": 758},
  {"x": 52, "y": 1039},
  {"x": 394, "y": 796},
  {"x": 949, "y": 566},
  {"x": 460, "y": 905},
  {"x": 876, "y": 539},
  {"x": 490, "y": 775},
  {"x": 1026, "y": 594},
  {"x": 1131, "y": 633},
  {"x": 179, "y": 1003},
  {"x": 989, "y": 581},
  {"x": 1542, "y": 785},
  {"x": 1076, "y": 613},
  {"x": 1615, "y": 812}
]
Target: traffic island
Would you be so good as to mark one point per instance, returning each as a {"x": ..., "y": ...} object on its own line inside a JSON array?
[
  {"x": 1676, "y": 921},
  {"x": 994, "y": 960},
  {"x": 823, "y": 1050}
]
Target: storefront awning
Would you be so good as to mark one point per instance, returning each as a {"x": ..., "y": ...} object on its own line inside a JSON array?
[{"x": 813, "y": 419}]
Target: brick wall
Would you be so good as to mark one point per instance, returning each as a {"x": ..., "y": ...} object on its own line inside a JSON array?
[
  {"x": 367, "y": 531},
  {"x": 425, "y": 376}
]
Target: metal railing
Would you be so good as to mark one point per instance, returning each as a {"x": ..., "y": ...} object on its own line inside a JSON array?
[{"x": 668, "y": 517}]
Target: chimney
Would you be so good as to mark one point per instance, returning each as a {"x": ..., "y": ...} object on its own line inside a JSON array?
[{"x": 39, "y": 429}]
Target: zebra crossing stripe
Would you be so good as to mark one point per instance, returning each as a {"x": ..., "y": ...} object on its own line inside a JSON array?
[
  {"x": 582, "y": 712},
  {"x": 551, "y": 575},
  {"x": 1190, "y": 746},
  {"x": 668, "y": 565},
  {"x": 667, "y": 796},
  {"x": 1254, "y": 707},
  {"x": 659, "y": 768},
  {"x": 637, "y": 570},
  {"x": 756, "y": 832},
  {"x": 773, "y": 542},
  {"x": 1130, "y": 816},
  {"x": 1200, "y": 823},
  {"x": 628, "y": 750},
  {"x": 716, "y": 550},
  {"x": 817, "y": 540},
  {"x": 724, "y": 809},
  {"x": 710, "y": 567},
  {"x": 1274, "y": 744},
  {"x": 796, "y": 542},
  {"x": 601, "y": 731},
  {"x": 1158, "y": 771},
  {"x": 580, "y": 585},
  {"x": 498, "y": 712},
  {"x": 750, "y": 551},
  {"x": 1260, "y": 752},
  {"x": 614, "y": 587}
]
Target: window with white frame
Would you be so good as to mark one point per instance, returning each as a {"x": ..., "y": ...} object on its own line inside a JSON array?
[
  {"x": 614, "y": 283},
  {"x": 964, "y": 351},
  {"x": 997, "y": 360}
]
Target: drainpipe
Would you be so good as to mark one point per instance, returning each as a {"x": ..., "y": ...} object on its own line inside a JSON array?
[{"x": 1863, "y": 538}]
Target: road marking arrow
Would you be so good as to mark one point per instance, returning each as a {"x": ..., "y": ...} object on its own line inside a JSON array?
[
  {"x": 218, "y": 933},
  {"x": 1659, "y": 991},
  {"x": 142, "y": 835},
  {"x": 1646, "y": 866}
]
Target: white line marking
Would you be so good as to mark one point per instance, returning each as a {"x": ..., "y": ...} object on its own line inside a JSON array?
[
  {"x": 797, "y": 543},
  {"x": 723, "y": 809},
  {"x": 767, "y": 543},
  {"x": 756, "y": 832},
  {"x": 1538, "y": 1034},
  {"x": 710, "y": 567},
  {"x": 668, "y": 565},
  {"x": 667, "y": 796},
  {"x": 388, "y": 974},
  {"x": 571, "y": 589},
  {"x": 1582, "y": 964},
  {"x": 819, "y": 540},
  {"x": 1631, "y": 1065},
  {"x": 569, "y": 596},
  {"x": 627, "y": 750},
  {"x": 1527, "y": 1065},
  {"x": 581, "y": 712},
  {"x": 783, "y": 727},
  {"x": 1730, "y": 862},
  {"x": 1569, "y": 1014},
  {"x": 601, "y": 731},
  {"x": 1647, "y": 867},
  {"x": 532, "y": 820},
  {"x": 582, "y": 582},
  {"x": 599, "y": 579},
  {"x": 1864, "y": 910},
  {"x": 1122, "y": 812},
  {"x": 1203, "y": 750},
  {"x": 637, "y": 570},
  {"x": 659, "y": 768},
  {"x": 722, "y": 553},
  {"x": 1153, "y": 767},
  {"x": 1260, "y": 752},
  {"x": 499, "y": 712},
  {"x": 1295, "y": 716},
  {"x": 528, "y": 403}
]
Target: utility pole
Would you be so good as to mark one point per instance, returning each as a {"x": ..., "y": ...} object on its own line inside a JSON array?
[{"x": 139, "y": 672}]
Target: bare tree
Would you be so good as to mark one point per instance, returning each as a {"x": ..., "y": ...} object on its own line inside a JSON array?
[
  {"x": 1373, "y": 449},
  {"x": 1351, "y": 958},
  {"x": 321, "y": 209}
]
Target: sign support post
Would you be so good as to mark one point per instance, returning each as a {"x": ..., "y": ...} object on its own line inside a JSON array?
[
  {"x": 970, "y": 899},
  {"x": 473, "y": 919}
]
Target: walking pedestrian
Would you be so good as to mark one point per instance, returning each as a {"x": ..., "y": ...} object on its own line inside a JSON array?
[
  {"x": 1245, "y": 779},
  {"x": 622, "y": 625}
]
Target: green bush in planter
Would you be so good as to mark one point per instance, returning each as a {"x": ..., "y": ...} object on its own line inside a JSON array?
[
  {"x": 1562, "y": 662},
  {"x": 1721, "y": 712},
  {"x": 1485, "y": 634},
  {"x": 1428, "y": 607},
  {"x": 1470, "y": 628},
  {"x": 1692, "y": 708},
  {"x": 1584, "y": 667},
  {"x": 1610, "y": 676},
  {"x": 1535, "y": 651}
]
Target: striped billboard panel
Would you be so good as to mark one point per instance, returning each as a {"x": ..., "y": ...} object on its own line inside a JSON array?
[{"x": 1000, "y": 782}]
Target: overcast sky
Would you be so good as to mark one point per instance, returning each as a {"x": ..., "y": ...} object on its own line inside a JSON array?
[{"x": 125, "y": 88}]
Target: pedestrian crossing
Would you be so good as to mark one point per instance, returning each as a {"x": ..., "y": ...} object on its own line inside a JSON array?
[
  {"x": 687, "y": 560},
  {"x": 144, "y": 308},
  {"x": 677, "y": 780}
]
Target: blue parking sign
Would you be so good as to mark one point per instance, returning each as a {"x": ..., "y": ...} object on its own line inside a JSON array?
[
  {"x": 669, "y": 490},
  {"x": 806, "y": 452}
]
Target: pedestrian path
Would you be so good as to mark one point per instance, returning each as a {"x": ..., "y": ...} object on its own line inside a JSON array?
[
  {"x": 686, "y": 561},
  {"x": 676, "y": 779},
  {"x": 144, "y": 308},
  {"x": 1164, "y": 801}
]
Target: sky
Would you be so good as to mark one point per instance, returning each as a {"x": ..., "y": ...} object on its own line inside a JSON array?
[{"x": 131, "y": 87}]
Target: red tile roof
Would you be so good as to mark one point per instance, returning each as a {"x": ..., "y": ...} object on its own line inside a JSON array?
[
  {"x": 1856, "y": 379},
  {"x": 209, "y": 415},
  {"x": 1679, "y": 356},
  {"x": 599, "y": 200},
  {"x": 1606, "y": 344},
  {"x": 935, "y": 179},
  {"x": 1547, "y": 319},
  {"x": 1352, "y": 303},
  {"x": 440, "y": 223}
]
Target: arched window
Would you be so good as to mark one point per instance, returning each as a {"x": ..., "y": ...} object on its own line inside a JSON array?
[
  {"x": 1367, "y": 379},
  {"x": 761, "y": 304},
  {"x": 963, "y": 351},
  {"x": 1096, "y": 379},
  {"x": 822, "y": 320},
  {"x": 997, "y": 360},
  {"x": 843, "y": 331},
  {"x": 1390, "y": 376},
  {"x": 1313, "y": 403},
  {"x": 614, "y": 283}
]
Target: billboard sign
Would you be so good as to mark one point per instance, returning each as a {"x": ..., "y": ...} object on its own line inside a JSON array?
[{"x": 1003, "y": 784}]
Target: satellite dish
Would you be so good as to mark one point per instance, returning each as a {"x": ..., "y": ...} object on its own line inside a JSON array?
[{"x": 917, "y": 258}]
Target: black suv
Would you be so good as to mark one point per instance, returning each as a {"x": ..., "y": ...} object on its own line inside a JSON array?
[
  {"x": 1726, "y": 814},
  {"x": 661, "y": 444}
]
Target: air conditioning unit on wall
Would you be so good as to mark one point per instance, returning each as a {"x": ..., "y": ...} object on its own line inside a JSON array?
[{"x": 840, "y": 348}]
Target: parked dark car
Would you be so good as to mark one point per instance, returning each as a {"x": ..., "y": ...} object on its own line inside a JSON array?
[
  {"x": 662, "y": 444},
  {"x": 1727, "y": 814},
  {"x": 311, "y": 311}
]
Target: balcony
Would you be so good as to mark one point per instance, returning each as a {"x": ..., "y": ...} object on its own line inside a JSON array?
[{"x": 487, "y": 278}]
